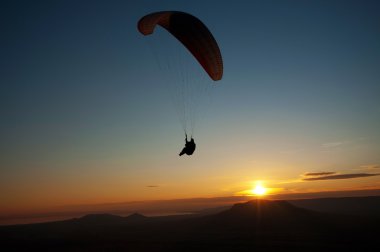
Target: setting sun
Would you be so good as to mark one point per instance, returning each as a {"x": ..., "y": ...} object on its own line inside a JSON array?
[{"x": 259, "y": 190}]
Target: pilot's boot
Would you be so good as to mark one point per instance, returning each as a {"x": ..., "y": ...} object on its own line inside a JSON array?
[{"x": 182, "y": 152}]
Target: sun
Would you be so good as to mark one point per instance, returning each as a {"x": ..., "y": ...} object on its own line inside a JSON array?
[{"x": 259, "y": 190}]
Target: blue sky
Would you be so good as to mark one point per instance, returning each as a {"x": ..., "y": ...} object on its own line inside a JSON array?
[{"x": 84, "y": 114}]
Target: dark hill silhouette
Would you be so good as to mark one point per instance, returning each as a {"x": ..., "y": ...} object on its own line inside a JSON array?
[
  {"x": 100, "y": 219},
  {"x": 267, "y": 214},
  {"x": 109, "y": 219},
  {"x": 258, "y": 225},
  {"x": 256, "y": 209},
  {"x": 361, "y": 206},
  {"x": 136, "y": 217}
]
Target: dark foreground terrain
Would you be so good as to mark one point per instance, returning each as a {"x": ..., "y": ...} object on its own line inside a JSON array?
[{"x": 258, "y": 225}]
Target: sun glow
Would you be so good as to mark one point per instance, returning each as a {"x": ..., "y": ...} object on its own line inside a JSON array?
[{"x": 259, "y": 190}]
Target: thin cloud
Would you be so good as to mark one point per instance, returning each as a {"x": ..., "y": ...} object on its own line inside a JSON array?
[
  {"x": 152, "y": 186},
  {"x": 319, "y": 173},
  {"x": 333, "y": 144},
  {"x": 341, "y": 176},
  {"x": 370, "y": 167},
  {"x": 289, "y": 181}
]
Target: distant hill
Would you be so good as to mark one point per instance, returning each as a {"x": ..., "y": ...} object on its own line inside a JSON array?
[
  {"x": 98, "y": 219},
  {"x": 109, "y": 219},
  {"x": 257, "y": 225},
  {"x": 266, "y": 213},
  {"x": 265, "y": 216},
  {"x": 363, "y": 206}
]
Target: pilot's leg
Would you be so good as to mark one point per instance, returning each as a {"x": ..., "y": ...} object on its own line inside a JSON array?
[{"x": 183, "y": 151}]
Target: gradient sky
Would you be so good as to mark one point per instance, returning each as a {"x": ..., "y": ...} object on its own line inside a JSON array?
[{"x": 85, "y": 119}]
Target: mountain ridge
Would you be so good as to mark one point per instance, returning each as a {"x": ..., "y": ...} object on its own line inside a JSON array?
[{"x": 268, "y": 225}]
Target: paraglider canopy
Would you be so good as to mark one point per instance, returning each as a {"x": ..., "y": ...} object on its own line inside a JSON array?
[{"x": 192, "y": 33}]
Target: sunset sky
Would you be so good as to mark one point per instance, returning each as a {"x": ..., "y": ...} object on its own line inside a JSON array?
[{"x": 85, "y": 117}]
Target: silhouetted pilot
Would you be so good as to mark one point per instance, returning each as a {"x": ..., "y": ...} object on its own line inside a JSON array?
[{"x": 189, "y": 147}]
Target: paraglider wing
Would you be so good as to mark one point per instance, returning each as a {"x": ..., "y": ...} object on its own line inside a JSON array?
[{"x": 192, "y": 33}]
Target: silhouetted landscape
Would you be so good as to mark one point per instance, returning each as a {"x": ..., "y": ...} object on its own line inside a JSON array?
[{"x": 257, "y": 225}]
